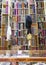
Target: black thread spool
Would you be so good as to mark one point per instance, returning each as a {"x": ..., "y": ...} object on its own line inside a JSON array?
[{"x": 28, "y": 24}]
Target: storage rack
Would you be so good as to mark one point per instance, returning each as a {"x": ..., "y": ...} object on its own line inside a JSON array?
[
  {"x": 5, "y": 20},
  {"x": 16, "y": 18},
  {"x": 22, "y": 37},
  {"x": 41, "y": 24},
  {"x": 19, "y": 20},
  {"x": 3, "y": 23},
  {"x": 32, "y": 9}
]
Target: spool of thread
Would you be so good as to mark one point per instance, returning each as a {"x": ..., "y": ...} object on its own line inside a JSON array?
[
  {"x": 21, "y": 26},
  {"x": 7, "y": 7},
  {"x": 7, "y": 10},
  {"x": 19, "y": 33},
  {"x": 22, "y": 5},
  {"x": 14, "y": 11}
]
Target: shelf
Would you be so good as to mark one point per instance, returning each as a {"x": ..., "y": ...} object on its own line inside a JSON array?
[
  {"x": 34, "y": 46},
  {"x": 42, "y": 37},
  {"x": 41, "y": 14},
  {"x": 21, "y": 37},
  {"x": 32, "y": 4},
  {"x": 5, "y": 14},
  {"x": 39, "y": 8},
  {"x": 34, "y": 24},
  {"x": 13, "y": 15},
  {"x": 21, "y": 22},
  {"x": 32, "y": 13},
  {"x": 31, "y": 59},
  {"x": 19, "y": 29},
  {"x": 39, "y": 1},
  {"x": 20, "y": 8}
]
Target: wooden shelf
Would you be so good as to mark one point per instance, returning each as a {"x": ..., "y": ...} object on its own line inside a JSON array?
[
  {"x": 32, "y": 4},
  {"x": 34, "y": 46},
  {"x": 40, "y": 1},
  {"x": 40, "y": 8},
  {"x": 21, "y": 37},
  {"x": 32, "y": 59},
  {"x": 20, "y": 8},
  {"x": 3, "y": 48},
  {"x": 34, "y": 24},
  {"x": 5, "y": 14}
]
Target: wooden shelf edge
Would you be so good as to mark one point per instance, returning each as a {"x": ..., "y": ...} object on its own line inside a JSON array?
[{"x": 32, "y": 59}]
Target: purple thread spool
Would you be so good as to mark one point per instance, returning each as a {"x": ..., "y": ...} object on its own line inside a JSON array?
[{"x": 14, "y": 11}]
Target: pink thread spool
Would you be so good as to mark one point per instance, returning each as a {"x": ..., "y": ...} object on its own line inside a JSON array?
[{"x": 7, "y": 7}]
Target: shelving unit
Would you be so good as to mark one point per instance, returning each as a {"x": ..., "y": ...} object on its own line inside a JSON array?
[
  {"x": 15, "y": 14},
  {"x": 41, "y": 24},
  {"x": 4, "y": 23},
  {"x": 18, "y": 24},
  {"x": 20, "y": 29},
  {"x": 33, "y": 13},
  {"x": 16, "y": 18}
]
